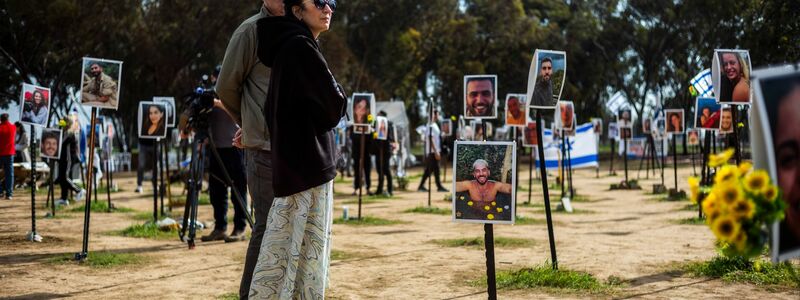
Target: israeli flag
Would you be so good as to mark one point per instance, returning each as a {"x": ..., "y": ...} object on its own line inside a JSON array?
[
  {"x": 702, "y": 84},
  {"x": 582, "y": 147}
]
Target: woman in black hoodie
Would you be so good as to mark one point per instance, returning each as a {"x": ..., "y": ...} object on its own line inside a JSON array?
[{"x": 304, "y": 104}]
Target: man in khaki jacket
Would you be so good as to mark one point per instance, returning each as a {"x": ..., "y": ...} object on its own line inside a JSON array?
[
  {"x": 99, "y": 89},
  {"x": 242, "y": 89}
]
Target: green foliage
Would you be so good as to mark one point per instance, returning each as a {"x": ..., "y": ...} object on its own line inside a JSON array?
[
  {"x": 228, "y": 296},
  {"x": 523, "y": 220},
  {"x": 100, "y": 207},
  {"x": 102, "y": 259},
  {"x": 739, "y": 269},
  {"x": 691, "y": 221},
  {"x": 545, "y": 277},
  {"x": 367, "y": 221},
  {"x": 429, "y": 210},
  {"x": 501, "y": 242},
  {"x": 149, "y": 231}
]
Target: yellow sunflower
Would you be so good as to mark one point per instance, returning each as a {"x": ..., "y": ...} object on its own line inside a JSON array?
[
  {"x": 743, "y": 208},
  {"x": 771, "y": 193},
  {"x": 740, "y": 241},
  {"x": 694, "y": 188},
  {"x": 728, "y": 193},
  {"x": 726, "y": 174},
  {"x": 757, "y": 182},
  {"x": 710, "y": 204},
  {"x": 370, "y": 118},
  {"x": 745, "y": 167},
  {"x": 716, "y": 160},
  {"x": 726, "y": 228}
]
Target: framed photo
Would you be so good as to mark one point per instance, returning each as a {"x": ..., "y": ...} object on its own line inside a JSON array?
[
  {"x": 730, "y": 74},
  {"x": 646, "y": 125},
  {"x": 624, "y": 118},
  {"x": 726, "y": 123},
  {"x": 362, "y": 129},
  {"x": 693, "y": 137},
  {"x": 674, "y": 121},
  {"x": 50, "y": 146},
  {"x": 480, "y": 97},
  {"x": 597, "y": 126},
  {"x": 35, "y": 105},
  {"x": 546, "y": 78},
  {"x": 171, "y": 113},
  {"x": 565, "y": 117},
  {"x": 382, "y": 125},
  {"x": 626, "y": 133},
  {"x": 530, "y": 137},
  {"x": 707, "y": 114},
  {"x": 152, "y": 120},
  {"x": 363, "y": 105},
  {"x": 660, "y": 130},
  {"x": 776, "y": 126},
  {"x": 515, "y": 110},
  {"x": 101, "y": 80},
  {"x": 483, "y": 187},
  {"x": 613, "y": 130},
  {"x": 477, "y": 130},
  {"x": 447, "y": 127}
]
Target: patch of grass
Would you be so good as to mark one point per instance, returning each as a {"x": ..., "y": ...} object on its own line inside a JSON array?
[
  {"x": 429, "y": 210},
  {"x": 691, "y": 221},
  {"x": 557, "y": 280},
  {"x": 523, "y": 220},
  {"x": 500, "y": 242},
  {"x": 228, "y": 296},
  {"x": 148, "y": 215},
  {"x": 102, "y": 259},
  {"x": 149, "y": 231},
  {"x": 341, "y": 255},
  {"x": 690, "y": 207},
  {"x": 367, "y": 199},
  {"x": 180, "y": 200},
  {"x": 580, "y": 198},
  {"x": 341, "y": 179},
  {"x": 575, "y": 211},
  {"x": 100, "y": 207},
  {"x": 103, "y": 190},
  {"x": 758, "y": 272},
  {"x": 367, "y": 221}
]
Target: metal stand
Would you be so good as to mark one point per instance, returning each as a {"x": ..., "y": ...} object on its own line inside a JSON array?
[
  {"x": 491, "y": 281},
  {"x": 33, "y": 236},
  {"x": 543, "y": 170},
  {"x": 81, "y": 256},
  {"x": 154, "y": 179},
  {"x": 362, "y": 181}
]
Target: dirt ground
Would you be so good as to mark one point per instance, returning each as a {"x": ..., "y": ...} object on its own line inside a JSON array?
[{"x": 627, "y": 234}]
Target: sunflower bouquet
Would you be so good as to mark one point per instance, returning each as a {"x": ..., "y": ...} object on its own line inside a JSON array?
[{"x": 738, "y": 206}]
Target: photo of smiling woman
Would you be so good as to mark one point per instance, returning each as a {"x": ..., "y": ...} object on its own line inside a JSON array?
[
  {"x": 152, "y": 120},
  {"x": 732, "y": 85},
  {"x": 781, "y": 98},
  {"x": 35, "y": 104}
]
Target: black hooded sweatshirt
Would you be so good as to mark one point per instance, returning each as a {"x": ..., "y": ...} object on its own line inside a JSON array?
[{"x": 304, "y": 104}]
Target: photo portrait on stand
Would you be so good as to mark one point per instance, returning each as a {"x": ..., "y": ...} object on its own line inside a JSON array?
[
  {"x": 484, "y": 179},
  {"x": 731, "y": 76},
  {"x": 100, "y": 83},
  {"x": 50, "y": 145},
  {"x": 35, "y": 104},
  {"x": 152, "y": 120},
  {"x": 707, "y": 113},
  {"x": 480, "y": 96},
  {"x": 546, "y": 78}
]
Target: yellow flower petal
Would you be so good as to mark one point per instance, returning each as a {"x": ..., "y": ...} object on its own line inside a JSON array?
[
  {"x": 725, "y": 228},
  {"x": 490, "y": 216},
  {"x": 771, "y": 193},
  {"x": 486, "y": 207},
  {"x": 494, "y": 203},
  {"x": 757, "y": 182},
  {"x": 716, "y": 160},
  {"x": 745, "y": 167},
  {"x": 726, "y": 174},
  {"x": 499, "y": 209},
  {"x": 469, "y": 203}
]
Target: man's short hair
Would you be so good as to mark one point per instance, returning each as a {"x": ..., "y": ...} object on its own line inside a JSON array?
[
  {"x": 479, "y": 161},
  {"x": 546, "y": 59},
  {"x": 49, "y": 135},
  {"x": 4, "y": 117},
  {"x": 489, "y": 79}
]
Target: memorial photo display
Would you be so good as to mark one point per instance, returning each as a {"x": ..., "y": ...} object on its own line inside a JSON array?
[
  {"x": 152, "y": 120},
  {"x": 546, "y": 78},
  {"x": 100, "y": 83},
  {"x": 480, "y": 96},
  {"x": 35, "y": 105},
  {"x": 483, "y": 187},
  {"x": 730, "y": 73}
]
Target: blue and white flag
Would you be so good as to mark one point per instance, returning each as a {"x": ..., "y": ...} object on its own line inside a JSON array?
[
  {"x": 582, "y": 146},
  {"x": 702, "y": 84}
]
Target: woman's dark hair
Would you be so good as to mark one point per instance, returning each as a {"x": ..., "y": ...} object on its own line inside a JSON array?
[
  {"x": 288, "y": 4},
  {"x": 38, "y": 106}
]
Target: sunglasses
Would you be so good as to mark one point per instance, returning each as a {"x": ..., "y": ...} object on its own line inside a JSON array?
[{"x": 320, "y": 4}]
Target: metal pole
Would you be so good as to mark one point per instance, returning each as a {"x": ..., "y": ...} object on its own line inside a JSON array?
[
  {"x": 89, "y": 183},
  {"x": 543, "y": 170}
]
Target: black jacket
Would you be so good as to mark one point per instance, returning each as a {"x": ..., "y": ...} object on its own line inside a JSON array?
[{"x": 304, "y": 103}]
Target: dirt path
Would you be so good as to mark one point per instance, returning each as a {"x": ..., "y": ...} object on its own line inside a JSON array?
[{"x": 626, "y": 234}]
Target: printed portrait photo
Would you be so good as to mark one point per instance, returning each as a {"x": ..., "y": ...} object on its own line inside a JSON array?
[
  {"x": 613, "y": 130},
  {"x": 382, "y": 125},
  {"x": 597, "y": 126},
  {"x": 171, "y": 113},
  {"x": 646, "y": 125},
  {"x": 35, "y": 104},
  {"x": 515, "y": 110},
  {"x": 447, "y": 127},
  {"x": 50, "y": 145},
  {"x": 483, "y": 187},
  {"x": 152, "y": 120},
  {"x": 363, "y": 106},
  {"x": 480, "y": 97},
  {"x": 625, "y": 133},
  {"x": 726, "y": 120},
  {"x": 731, "y": 76},
  {"x": 660, "y": 131},
  {"x": 100, "y": 83},
  {"x": 674, "y": 120},
  {"x": 624, "y": 118},
  {"x": 707, "y": 114},
  {"x": 778, "y": 93},
  {"x": 565, "y": 117},
  {"x": 546, "y": 78},
  {"x": 477, "y": 130},
  {"x": 530, "y": 137},
  {"x": 693, "y": 138}
]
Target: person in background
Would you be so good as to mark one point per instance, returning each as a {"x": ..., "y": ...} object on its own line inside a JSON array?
[
  {"x": 7, "y": 134},
  {"x": 22, "y": 144},
  {"x": 383, "y": 156},
  {"x": 433, "y": 148},
  {"x": 69, "y": 157},
  {"x": 355, "y": 136}
]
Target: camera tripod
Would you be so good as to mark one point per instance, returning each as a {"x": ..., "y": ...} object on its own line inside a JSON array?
[{"x": 200, "y": 144}]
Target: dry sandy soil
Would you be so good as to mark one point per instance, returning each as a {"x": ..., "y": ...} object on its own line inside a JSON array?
[{"x": 627, "y": 234}]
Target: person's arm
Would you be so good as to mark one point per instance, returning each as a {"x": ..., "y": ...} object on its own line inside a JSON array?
[
  {"x": 462, "y": 186},
  {"x": 741, "y": 92},
  {"x": 236, "y": 66},
  {"x": 503, "y": 187},
  {"x": 326, "y": 100},
  {"x": 109, "y": 88}
]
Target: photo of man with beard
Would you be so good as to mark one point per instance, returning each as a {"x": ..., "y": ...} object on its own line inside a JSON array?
[
  {"x": 484, "y": 181},
  {"x": 480, "y": 93},
  {"x": 51, "y": 140},
  {"x": 100, "y": 83},
  {"x": 546, "y": 78}
]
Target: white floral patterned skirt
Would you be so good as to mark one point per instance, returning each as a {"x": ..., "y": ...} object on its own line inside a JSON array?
[{"x": 295, "y": 252}]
